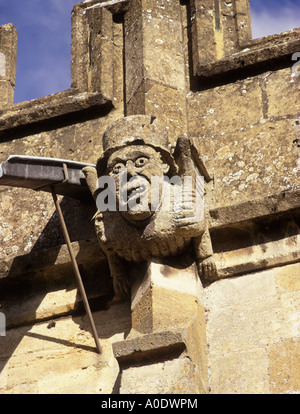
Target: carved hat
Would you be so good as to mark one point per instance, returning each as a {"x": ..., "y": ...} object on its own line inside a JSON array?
[{"x": 136, "y": 130}]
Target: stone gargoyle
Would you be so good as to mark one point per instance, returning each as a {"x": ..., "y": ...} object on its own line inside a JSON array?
[{"x": 144, "y": 210}]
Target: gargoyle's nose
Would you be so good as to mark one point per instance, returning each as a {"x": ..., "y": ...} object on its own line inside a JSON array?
[{"x": 131, "y": 169}]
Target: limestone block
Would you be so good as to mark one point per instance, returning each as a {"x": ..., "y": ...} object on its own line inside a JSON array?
[
  {"x": 284, "y": 367},
  {"x": 287, "y": 278},
  {"x": 169, "y": 377},
  {"x": 157, "y": 285},
  {"x": 97, "y": 61},
  {"x": 282, "y": 89},
  {"x": 155, "y": 99},
  {"x": 247, "y": 325},
  {"x": 236, "y": 291},
  {"x": 257, "y": 255},
  {"x": 154, "y": 52},
  {"x": 171, "y": 102},
  {"x": 243, "y": 20},
  {"x": 145, "y": 348},
  {"x": 257, "y": 54},
  {"x": 290, "y": 304},
  {"x": 241, "y": 161},
  {"x": 225, "y": 108},
  {"x": 244, "y": 372},
  {"x": 253, "y": 331},
  {"x": 51, "y": 112},
  {"x": 167, "y": 332},
  {"x": 229, "y": 27},
  {"x": 218, "y": 30},
  {"x": 163, "y": 52},
  {"x": 38, "y": 226},
  {"x": 6, "y": 93},
  {"x": 202, "y": 33},
  {"x": 151, "y": 313}
]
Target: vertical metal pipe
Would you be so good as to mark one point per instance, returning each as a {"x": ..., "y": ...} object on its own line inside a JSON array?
[{"x": 76, "y": 269}]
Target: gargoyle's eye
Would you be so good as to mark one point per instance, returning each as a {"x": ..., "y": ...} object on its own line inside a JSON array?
[
  {"x": 141, "y": 161},
  {"x": 117, "y": 167}
]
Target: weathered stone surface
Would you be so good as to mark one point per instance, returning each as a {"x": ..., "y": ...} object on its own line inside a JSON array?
[
  {"x": 40, "y": 226},
  {"x": 241, "y": 161},
  {"x": 155, "y": 63},
  {"x": 283, "y": 366},
  {"x": 8, "y": 57},
  {"x": 210, "y": 116},
  {"x": 250, "y": 322},
  {"x": 169, "y": 377},
  {"x": 282, "y": 93},
  {"x": 240, "y": 373},
  {"x": 65, "y": 104},
  {"x": 218, "y": 31},
  {"x": 96, "y": 52}
]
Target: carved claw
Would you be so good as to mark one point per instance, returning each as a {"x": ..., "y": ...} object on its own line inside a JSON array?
[{"x": 207, "y": 269}]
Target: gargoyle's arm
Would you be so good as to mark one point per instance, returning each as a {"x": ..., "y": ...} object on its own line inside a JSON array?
[
  {"x": 190, "y": 220},
  {"x": 92, "y": 180}
]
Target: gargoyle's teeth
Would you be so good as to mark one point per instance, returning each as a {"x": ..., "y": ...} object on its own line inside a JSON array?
[{"x": 136, "y": 190}]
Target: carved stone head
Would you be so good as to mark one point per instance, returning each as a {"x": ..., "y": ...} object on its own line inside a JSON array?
[
  {"x": 136, "y": 130},
  {"x": 138, "y": 164},
  {"x": 136, "y": 150}
]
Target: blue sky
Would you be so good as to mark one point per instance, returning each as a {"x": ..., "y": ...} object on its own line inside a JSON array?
[{"x": 44, "y": 37}]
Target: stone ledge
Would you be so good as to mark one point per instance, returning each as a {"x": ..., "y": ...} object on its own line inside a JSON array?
[
  {"x": 258, "y": 53},
  {"x": 255, "y": 209},
  {"x": 62, "y": 106},
  {"x": 56, "y": 257},
  {"x": 159, "y": 345}
]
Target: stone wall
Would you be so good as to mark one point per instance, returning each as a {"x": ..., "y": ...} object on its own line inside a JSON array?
[
  {"x": 252, "y": 331},
  {"x": 238, "y": 100}
]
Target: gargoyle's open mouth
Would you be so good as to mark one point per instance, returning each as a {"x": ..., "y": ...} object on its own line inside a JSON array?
[
  {"x": 137, "y": 192},
  {"x": 137, "y": 189}
]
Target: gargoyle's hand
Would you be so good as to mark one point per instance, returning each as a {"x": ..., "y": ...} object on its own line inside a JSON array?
[
  {"x": 189, "y": 210},
  {"x": 207, "y": 269},
  {"x": 91, "y": 179},
  {"x": 121, "y": 285}
]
